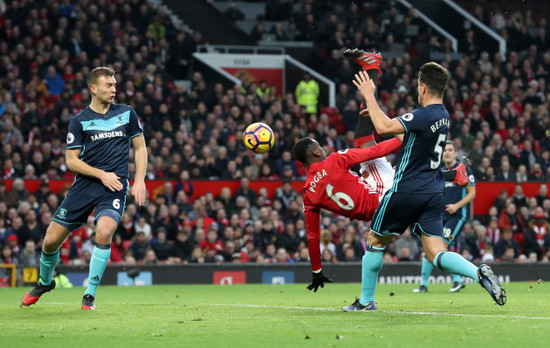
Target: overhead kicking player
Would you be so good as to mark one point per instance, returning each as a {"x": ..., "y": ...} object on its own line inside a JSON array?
[
  {"x": 455, "y": 199},
  {"x": 416, "y": 196},
  {"x": 98, "y": 145},
  {"x": 330, "y": 185}
]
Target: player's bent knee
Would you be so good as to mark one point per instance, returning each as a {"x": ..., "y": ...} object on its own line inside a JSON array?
[
  {"x": 431, "y": 254},
  {"x": 435, "y": 258},
  {"x": 50, "y": 244},
  {"x": 55, "y": 236},
  {"x": 104, "y": 235},
  {"x": 106, "y": 226},
  {"x": 430, "y": 258}
]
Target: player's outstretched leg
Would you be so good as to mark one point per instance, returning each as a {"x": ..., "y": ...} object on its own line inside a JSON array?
[
  {"x": 48, "y": 261},
  {"x": 371, "y": 266},
  {"x": 456, "y": 264},
  {"x": 364, "y": 132},
  {"x": 55, "y": 235},
  {"x": 427, "y": 268}
]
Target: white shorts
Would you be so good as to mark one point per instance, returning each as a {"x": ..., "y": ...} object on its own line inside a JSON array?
[{"x": 378, "y": 173}]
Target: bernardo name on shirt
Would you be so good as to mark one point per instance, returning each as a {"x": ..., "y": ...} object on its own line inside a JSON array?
[{"x": 443, "y": 122}]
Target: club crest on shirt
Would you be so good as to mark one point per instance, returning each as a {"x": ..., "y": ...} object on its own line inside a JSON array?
[
  {"x": 62, "y": 213},
  {"x": 365, "y": 174}
]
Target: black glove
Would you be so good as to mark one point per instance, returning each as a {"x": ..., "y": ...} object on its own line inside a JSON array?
[{"x": 319, "y": 280}]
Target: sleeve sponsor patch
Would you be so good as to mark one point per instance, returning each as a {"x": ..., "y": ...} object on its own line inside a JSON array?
[{"x": 407, "y": 117}]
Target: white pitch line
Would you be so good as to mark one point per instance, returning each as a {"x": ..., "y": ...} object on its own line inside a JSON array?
[
  {"x": 336, "y": 309},
  {"x": 390, "y": 312}
]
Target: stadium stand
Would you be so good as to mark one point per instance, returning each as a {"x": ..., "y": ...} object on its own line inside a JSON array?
[{"x": 499, "y": 108}]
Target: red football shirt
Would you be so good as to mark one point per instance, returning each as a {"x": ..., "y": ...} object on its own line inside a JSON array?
[{"x": 332, "y": 186}]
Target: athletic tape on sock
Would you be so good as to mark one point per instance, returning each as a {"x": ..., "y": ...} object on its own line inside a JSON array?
[
  {"x": 437, "y": 260},
  {"x": 362, "y": 140},
  {"x": 50, "y": 254},
  {"x": 374, "y": 249},
  {"x": 103, "y": 246}
]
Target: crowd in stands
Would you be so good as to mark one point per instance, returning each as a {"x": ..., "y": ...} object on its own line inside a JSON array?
[
  {"x": 333, "y": 25},
  {"x": 499, "y": 108}
]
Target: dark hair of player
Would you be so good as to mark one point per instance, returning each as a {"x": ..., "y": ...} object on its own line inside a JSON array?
[
  {"x": 435, "y": 77},
  {"x": 98, "y": 72},
  {"x": 450, "y": 142},
  {"x": 300, "y": 149}
]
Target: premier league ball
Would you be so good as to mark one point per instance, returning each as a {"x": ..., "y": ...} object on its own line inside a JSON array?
[{"x": 258, "y": 137}]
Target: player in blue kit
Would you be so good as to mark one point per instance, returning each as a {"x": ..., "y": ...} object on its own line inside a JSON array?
[
  {"x": 455, "y": 199},
  {"x": 98, "y": 146},
  {"x": 416, "y": 197}
]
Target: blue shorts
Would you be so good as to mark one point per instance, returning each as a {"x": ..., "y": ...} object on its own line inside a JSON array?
[
  {"x": 452, "y": 226},
  {"x": 87, "y": 194},
  {"x": 397, "y": 211}
]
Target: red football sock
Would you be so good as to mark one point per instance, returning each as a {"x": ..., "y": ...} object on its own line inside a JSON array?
[{"x": 362, "y": 140}]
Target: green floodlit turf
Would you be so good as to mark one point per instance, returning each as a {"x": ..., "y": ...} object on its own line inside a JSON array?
[{"x": 262, "y": 316}]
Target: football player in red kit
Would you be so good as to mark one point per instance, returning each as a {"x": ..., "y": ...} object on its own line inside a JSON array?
[{"x": 332, "y": 186}]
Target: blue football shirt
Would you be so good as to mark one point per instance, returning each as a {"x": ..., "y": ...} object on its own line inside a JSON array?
[
  {"x": 105, "y": 139},
  {"x": 419, "y": 160}
]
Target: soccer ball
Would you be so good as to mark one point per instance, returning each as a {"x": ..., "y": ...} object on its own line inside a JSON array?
[{"x": 258, "y": 137}]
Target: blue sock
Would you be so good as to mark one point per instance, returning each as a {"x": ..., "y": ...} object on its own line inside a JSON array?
[
  {"x": 371, "y": 266},
  {"x": 100, "y": 258},
  {"x": 455, "y": 264},
  {"x": 427, "y": 268},
  {"x": 457, "y": 278},
  {"x": 48, "y": 261}
]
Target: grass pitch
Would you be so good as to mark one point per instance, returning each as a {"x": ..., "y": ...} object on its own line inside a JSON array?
[{"x": 277, "y": 316}]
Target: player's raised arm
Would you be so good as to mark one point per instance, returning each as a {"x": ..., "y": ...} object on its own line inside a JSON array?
[
  {"x": 383, "y": 124},
  {"x": 139, "y": 190},
  {"x": 75, "y": 164}
]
